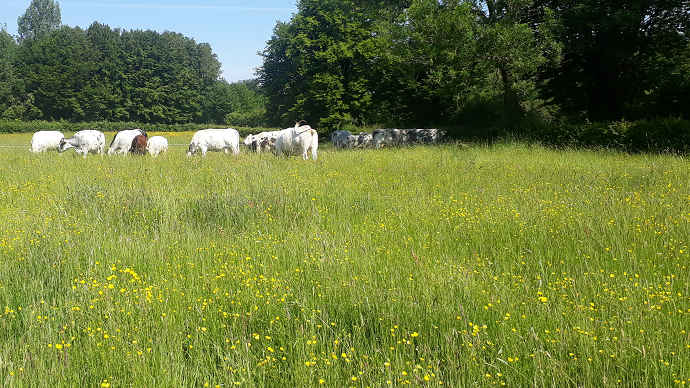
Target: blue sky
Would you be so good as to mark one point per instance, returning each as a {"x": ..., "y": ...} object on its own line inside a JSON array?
[{"x": 235, "y": 29}]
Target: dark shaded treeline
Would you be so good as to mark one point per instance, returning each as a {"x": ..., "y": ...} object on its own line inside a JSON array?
[{"x": 478, "y": 63}]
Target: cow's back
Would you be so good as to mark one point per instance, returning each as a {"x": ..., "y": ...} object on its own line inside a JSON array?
[
  {"x": 216, "y": 139},
  {"x": 42, "y": 141},
  {"x": 138, "y": 146}
]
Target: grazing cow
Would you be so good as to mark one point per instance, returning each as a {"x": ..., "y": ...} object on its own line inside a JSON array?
[
  {"x": 43, "y": 141},
  {"x": 427, "y": 135},
  {"x": 83, "y": 142},
  {"x": 138, "y": 146},
  {"x": 227, "y": 140},
  {"x": 339, "y": 138},
  {"x": 365, "y": 140},
  {"x": 349, "y": 142},
  {"x": 390, "y": 137},
  {"x": 156, "y": 145},
  {"x": 297, "y": 140},
  {"x": 123, "y": 141}
]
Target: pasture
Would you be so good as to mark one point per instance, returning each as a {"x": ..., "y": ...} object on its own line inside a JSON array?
[{"x": 430, "y": 266}]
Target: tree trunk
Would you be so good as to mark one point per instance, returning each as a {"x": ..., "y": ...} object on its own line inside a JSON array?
[{"x": 510, "y": 101}]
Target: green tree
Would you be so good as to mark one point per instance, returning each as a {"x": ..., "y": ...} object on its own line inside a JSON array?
[
  {"x": 236, "y": 104},
  {"x": 616, "y": 55},
  {"x": 107, "y": 100},
  {"x": 55, "y": 69},
  {"x": 317, "y": 66},
  {"x": 106, "y": 74},
  {"x": 670, "y": 89},
  {"x": 517, "y": 48},
  {"x": 472, "y": 51},
  {"x": 436, "y": 45},
  {"x": 40, "y": 19},
  {"x": 14, "y": 102},
  {"x": 167, "y": 76}
]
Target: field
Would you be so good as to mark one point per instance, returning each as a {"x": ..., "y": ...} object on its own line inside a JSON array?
[{"x": 453, "y": 265}]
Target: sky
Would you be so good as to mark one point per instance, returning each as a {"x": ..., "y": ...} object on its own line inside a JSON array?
[{"x": 236, "y": 29}]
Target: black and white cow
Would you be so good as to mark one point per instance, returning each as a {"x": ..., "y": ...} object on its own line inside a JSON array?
[
  {"x": 261, "y": 142},
  {"x": 364, "y": 140},
  {"x": 390, "y": 137},
  {"x": 430, "y": 135},
  {"x": 339, "y": 139},
  {"x": 84, "y": 142}
]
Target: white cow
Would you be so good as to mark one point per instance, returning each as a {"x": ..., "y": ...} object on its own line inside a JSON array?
[
  {"x": 83, "y": 142},
  {"x": 123, "y": 141},
  {"x": 340, "y": 138},
  {"x": 297, "y": 140},
  {"x": 43, "y": 141},
  {"x": 227, "y": 140},
  {"x": 156, "y": 145}
]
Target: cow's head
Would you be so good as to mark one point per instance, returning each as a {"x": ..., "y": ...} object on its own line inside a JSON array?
[
  {"x": 63, "y": 146},
  {"x": 193, "y": 147},
  {"x": 248, "y": 140}
]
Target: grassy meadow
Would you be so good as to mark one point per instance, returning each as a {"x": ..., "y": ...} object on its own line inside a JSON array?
[{"x": 473, "y": 265}]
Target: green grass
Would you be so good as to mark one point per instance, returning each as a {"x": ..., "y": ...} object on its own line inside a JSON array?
[{"x": 426, "y": 266}]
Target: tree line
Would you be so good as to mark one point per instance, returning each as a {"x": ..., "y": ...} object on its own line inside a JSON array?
[
  {"x": 54, "y": 72},
  {"x": 105, "y": 74},
  {"x": 511, "y": 64},
  {"x": 421, "y": 62}
]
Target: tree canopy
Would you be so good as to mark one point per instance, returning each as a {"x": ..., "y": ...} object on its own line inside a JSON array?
[
  {"x": 405, "y": 63},
  {"x": 426, "y": 62},
  {"x": 40, "y": 19},
  {"x": 105, "y": 74}
]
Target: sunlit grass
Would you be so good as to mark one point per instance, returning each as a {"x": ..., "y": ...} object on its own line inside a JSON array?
[{"x": 427, "y": 266}]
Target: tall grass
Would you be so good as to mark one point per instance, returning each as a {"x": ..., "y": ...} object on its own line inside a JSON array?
[{"x": 427, "y": 266}]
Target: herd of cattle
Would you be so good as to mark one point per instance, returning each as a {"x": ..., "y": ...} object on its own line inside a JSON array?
[
  {"x": 386, "y": 137},
  {"x": 299, "y": 140}
]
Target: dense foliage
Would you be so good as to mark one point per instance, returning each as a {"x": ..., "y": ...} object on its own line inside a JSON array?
[
  {"x": 40, "y": 19},
  {"x": 491, "y": 62},
  {"x": 111, "y": 74},
  {"x": 542, "y": 68},
  {"x": 55, "y": 72}
]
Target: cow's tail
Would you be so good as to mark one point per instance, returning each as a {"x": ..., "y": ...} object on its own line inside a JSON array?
[{"x": 314, "y": 142}]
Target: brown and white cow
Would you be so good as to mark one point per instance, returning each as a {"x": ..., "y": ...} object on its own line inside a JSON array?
[
  {"x": 138, "y": 145},
  {"x": 122, "y": 141}
]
